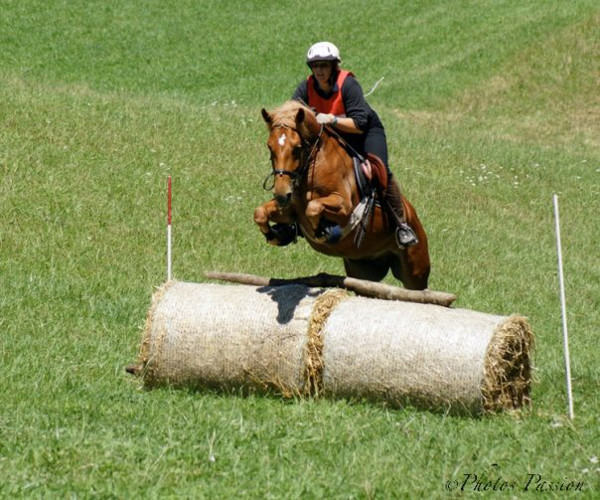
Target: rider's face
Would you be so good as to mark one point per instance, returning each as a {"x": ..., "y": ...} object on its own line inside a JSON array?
[{"x": 321, "y": 71}]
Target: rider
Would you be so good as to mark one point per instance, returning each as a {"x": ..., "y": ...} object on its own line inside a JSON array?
[{"x": 339, "y": 102}]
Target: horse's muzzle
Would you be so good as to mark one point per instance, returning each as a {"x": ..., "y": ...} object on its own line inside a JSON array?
[{"x": 283, "y": 200}]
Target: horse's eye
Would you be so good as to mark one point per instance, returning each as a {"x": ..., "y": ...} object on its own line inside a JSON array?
[{"x": 297, "y": 151}]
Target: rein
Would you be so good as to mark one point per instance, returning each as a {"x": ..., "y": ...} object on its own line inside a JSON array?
[{"x": 295, "y": 175}]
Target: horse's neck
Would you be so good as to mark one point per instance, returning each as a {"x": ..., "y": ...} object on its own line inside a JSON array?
[{"x": 334, "y": 150}]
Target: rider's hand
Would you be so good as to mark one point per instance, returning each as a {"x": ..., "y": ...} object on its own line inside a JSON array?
[{"x": 325, "y": 118}]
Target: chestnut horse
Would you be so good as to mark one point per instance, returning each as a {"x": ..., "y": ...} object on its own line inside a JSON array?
[{"x": 314, "y": 183}]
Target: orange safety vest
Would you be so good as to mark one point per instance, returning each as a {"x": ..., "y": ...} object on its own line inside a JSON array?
[{"x": 334, "y": 104}]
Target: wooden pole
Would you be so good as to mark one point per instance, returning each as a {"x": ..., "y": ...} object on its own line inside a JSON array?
[{"x": 360, "y": 287}]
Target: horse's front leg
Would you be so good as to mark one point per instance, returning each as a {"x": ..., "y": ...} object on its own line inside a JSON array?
[
  {"x": 270, "y": 212},
  {"x": 334, "y": 205}
]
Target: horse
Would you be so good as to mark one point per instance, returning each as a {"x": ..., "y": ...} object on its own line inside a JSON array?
[{"x": 315, "y": 188}]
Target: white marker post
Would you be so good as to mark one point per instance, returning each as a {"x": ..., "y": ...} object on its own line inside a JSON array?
[
  {"x": 169, "y": 240},
  {"x": 564, "y": 310}
]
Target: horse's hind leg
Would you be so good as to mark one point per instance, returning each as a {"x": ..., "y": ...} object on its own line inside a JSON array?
[
  {"x": 411, "y": 268},
  {"x": 411, "y": 265},
  {"x": 364, "y": 269}
]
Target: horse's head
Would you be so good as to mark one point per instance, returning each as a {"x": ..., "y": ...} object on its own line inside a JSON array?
[{"x": 293, "y": 129}]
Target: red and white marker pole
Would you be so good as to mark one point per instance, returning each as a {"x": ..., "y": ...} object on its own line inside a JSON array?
[{"x": 169, "y": 238}]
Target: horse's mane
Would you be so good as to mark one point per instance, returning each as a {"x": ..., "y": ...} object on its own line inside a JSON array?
[{"x": 285, "y": 116}]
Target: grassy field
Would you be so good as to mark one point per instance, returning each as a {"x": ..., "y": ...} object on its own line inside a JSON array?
[{"x": 490, "y": 108}]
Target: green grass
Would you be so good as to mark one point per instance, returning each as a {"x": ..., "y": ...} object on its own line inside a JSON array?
[{"x": 490, "y": 109}]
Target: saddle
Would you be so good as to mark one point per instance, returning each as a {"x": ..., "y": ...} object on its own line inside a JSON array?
[
  {"x": 371, "y": 174},
  {"x": 371, "y": 180}
]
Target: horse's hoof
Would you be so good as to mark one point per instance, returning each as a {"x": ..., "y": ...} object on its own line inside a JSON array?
[
  {"x": 333, "y": 234},
  {"x": 283, "y": 234},
  {"x": 328, "y": 232}
]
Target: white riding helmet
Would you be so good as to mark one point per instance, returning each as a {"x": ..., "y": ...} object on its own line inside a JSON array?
[{"x": 323, "y": 51}]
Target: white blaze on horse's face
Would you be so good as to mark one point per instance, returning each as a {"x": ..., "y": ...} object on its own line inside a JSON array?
[{"x": 283, "y": 162}]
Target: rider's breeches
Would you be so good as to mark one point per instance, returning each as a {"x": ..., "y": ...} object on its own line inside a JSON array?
[{"x": 376, "y": 143}]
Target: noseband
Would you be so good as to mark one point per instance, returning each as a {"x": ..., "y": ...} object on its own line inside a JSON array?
[{"x": 295, "y": 175}]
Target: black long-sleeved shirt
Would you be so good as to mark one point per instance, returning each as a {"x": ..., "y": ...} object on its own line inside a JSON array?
[{"x": 357, "y": 108}]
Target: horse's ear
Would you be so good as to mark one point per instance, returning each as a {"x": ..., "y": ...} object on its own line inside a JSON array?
[
  {"x": 300, "y": 116},
  {"x": 266, "y": 116}
]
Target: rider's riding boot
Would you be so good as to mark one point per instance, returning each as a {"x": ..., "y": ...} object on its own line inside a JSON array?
[{"x": 405, "y": 236}]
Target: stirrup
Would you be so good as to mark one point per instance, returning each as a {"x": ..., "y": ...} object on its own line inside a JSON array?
[{"x": 405, "y": 236}]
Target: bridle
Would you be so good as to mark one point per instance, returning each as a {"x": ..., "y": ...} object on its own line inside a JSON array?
[{"x": 308, "y": 154}]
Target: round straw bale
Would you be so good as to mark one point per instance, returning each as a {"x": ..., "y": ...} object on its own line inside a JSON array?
[
  {"x": 426, "y": 355},
  {"x": 227, "y": 336}
]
